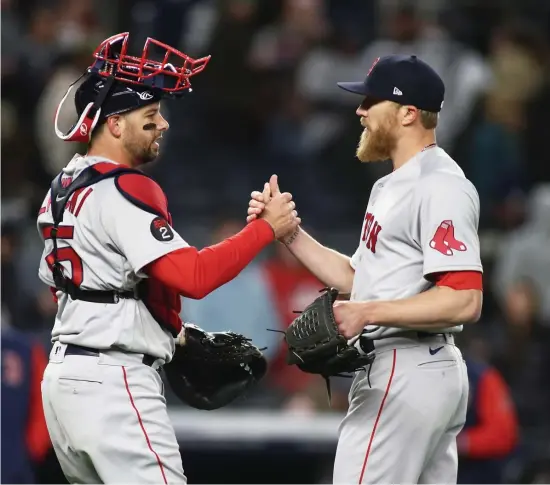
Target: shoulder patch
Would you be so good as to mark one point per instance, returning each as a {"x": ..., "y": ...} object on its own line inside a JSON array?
[
  {"x": 444, "y": 239},
  {"x": 161, "y": 230},
  {"x": 143, "y": 192}
]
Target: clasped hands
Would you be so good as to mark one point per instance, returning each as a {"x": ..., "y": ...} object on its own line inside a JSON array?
[
  {"x": 351, "y": 316},
  {"x": 278, "y": 209}
]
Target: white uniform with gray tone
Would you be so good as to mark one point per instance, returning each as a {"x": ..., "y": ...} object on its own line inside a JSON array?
[
  {"x": 107, "y": 415},
  {"x": 421, "y": 219}
]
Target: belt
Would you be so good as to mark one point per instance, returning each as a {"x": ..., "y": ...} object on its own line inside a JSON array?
[
  {"x": 93, "y": 296},
  {"x": 422, "y": 335},
  {"x": 73, "y": 349},
  {"x": 367, "y": 345},
  {"x": 98, "y": 296}
]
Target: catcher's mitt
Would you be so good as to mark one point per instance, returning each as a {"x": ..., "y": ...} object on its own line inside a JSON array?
[
  {"x": 211, "y": 369},
  {"x": 316, "y": 346}
]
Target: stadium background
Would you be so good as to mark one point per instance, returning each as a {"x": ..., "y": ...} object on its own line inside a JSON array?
[{"x": 267, "y": 103}]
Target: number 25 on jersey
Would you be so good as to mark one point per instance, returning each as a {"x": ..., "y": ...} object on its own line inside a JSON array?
[{"x": 66, "y": 253}]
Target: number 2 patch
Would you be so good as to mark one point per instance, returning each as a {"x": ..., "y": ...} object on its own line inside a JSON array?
[{"x": 161, "y": 230}]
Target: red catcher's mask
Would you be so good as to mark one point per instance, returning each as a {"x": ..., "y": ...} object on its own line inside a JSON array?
[{"x": 161, "y": 71}]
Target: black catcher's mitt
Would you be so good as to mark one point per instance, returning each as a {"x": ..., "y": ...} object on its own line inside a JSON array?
[
  {"x": 316, "y": 346},
  {"x": 211, "y": 369}
]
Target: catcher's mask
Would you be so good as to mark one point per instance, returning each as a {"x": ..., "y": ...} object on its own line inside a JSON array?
[{"x": 118, "y": 83}]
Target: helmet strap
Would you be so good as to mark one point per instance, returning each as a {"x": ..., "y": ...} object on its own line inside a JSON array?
[{"x": 83, "y": 128}]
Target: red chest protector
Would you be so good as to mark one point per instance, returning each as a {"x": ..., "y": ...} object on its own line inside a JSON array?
[{"x": 163, "y": 303}]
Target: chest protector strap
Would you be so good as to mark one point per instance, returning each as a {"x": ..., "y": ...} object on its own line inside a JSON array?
[
  {"x": 162, "y": 302},
  {"x": 60, "y": 195}
]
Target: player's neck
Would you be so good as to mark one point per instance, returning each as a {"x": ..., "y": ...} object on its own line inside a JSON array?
[
  {"x": 408, "y": 148},
  {"x": 114, "y": 153}
]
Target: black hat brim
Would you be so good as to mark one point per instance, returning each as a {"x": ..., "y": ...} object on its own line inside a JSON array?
[{"x": 354, "y": 87}]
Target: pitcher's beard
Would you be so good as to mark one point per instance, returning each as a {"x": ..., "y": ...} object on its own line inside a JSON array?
[{"x": 376, "y": 146}]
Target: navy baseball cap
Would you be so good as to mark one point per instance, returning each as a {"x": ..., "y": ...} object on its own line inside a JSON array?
[
  {"x": 403, "y": 79},
  {"x": 121, "y": 98}
]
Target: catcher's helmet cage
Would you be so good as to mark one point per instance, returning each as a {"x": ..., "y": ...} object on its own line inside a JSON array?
[{"x": 117, "y": 83}]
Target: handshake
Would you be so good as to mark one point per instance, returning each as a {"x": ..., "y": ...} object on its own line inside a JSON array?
[{"x": 277, "y": 208}]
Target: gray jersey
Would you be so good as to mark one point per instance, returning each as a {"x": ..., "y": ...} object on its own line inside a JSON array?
[
  {"x": 111, "y": 243},
  {"x": 421, "y": 219}
]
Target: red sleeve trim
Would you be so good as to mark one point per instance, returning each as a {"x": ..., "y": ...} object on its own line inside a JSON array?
[
  {"x": 195, "y": 273},
  {"x": 143, "y": 192},
  {"x": 459, "y": 280}
]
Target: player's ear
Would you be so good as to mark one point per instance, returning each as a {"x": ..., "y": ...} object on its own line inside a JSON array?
[
  {"x": 114, "y": 124},
  {"x": 409, "y": 115}
]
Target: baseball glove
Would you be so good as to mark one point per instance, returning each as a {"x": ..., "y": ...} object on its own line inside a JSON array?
[
  {"x": 209, "y": 370},
  {"x": 316, "y": 346}
]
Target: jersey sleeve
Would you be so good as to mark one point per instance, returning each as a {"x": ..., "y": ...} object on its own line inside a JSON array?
[
  {"x": 356, "y": 257},
  {"x": 139, "y": 235},
  {"x": 449, "y": 219},
  {"x": 354, "y": 260}
]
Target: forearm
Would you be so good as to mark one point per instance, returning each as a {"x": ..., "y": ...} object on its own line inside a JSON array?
[
  {"x": 439, "y": 307},
  {"x": 196, "y": 273},
  {"x": 329, "y": 266}
]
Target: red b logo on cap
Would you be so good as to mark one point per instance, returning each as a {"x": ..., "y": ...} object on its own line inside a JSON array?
[{"x": 373, "y": 64}]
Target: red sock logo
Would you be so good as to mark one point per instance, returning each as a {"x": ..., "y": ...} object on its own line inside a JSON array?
[{"x": 444, "y": 239}]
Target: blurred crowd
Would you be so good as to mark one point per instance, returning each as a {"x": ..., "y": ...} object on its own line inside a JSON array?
[{"x": 268, "y": 103}]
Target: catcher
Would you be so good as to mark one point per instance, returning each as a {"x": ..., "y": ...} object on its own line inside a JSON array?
[{"x": 118, "y": 270}]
